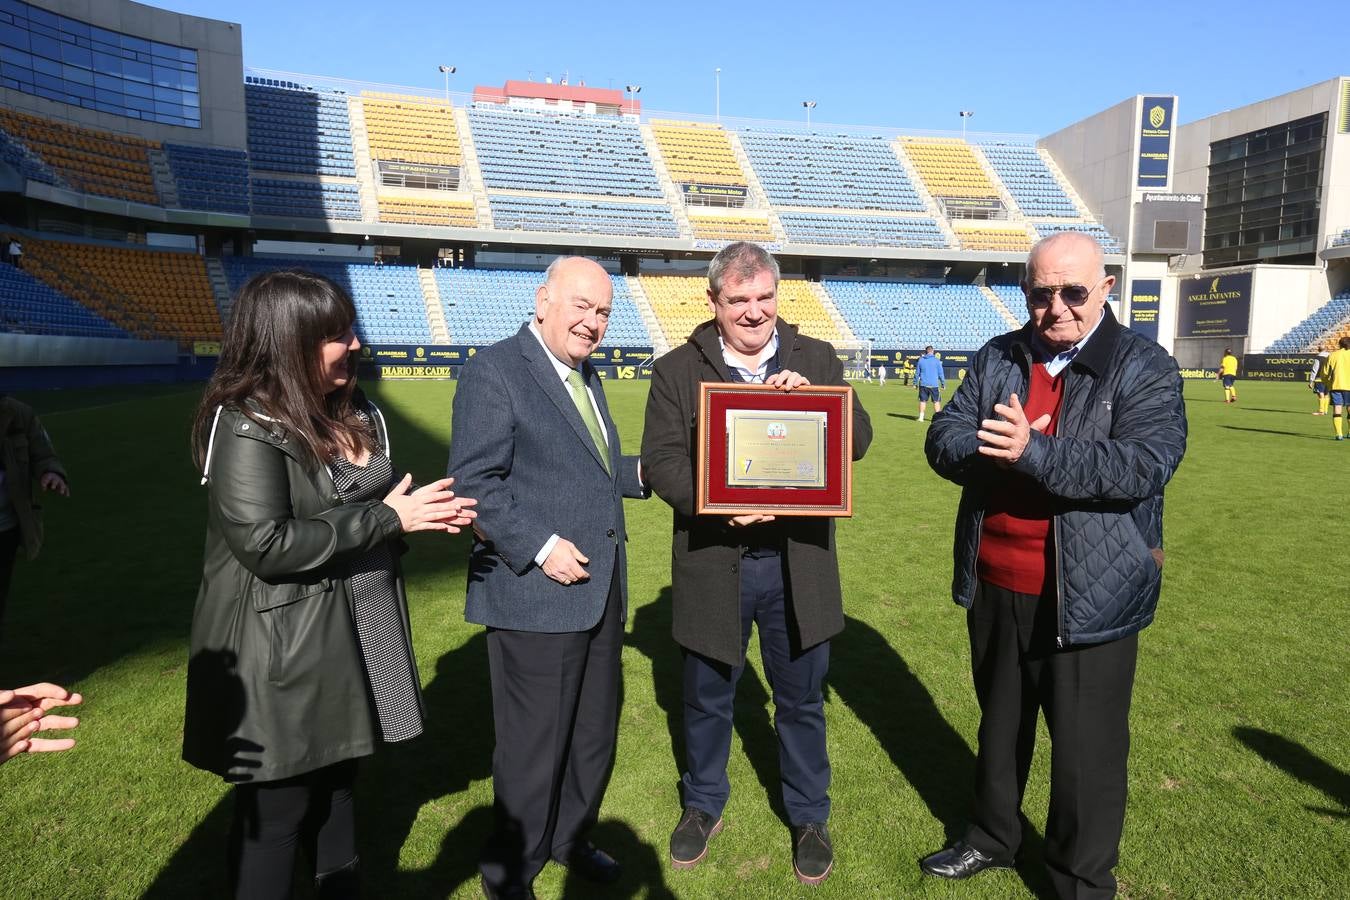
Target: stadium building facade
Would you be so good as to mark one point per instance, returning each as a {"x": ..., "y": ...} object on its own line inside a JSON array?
[{"x": 147, "y": 173}]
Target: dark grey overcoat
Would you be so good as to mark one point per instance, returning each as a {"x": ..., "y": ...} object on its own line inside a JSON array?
[{"x": 706, "y": 552}]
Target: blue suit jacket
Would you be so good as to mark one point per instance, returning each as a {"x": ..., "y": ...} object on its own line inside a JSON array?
[{"x": 520, "y": 447}]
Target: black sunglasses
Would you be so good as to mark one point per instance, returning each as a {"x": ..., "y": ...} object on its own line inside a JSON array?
[{"x": 1072, "y": 294}]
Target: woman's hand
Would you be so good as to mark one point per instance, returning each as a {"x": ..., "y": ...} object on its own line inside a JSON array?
[
  {"x": 23, "y": 713},
  {"x": 432, "y": 507}
]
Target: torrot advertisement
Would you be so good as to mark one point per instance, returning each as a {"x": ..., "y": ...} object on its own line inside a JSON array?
[
  {"x": 1155, "y": 142},
  {"x": 1215, "y": 306},
  {"x": 1144, "y": 297}
]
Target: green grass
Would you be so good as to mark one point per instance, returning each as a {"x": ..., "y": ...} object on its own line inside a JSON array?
[{"x": 1240, "y": 769}]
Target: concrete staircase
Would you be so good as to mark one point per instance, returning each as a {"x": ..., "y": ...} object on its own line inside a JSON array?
[
  {"x": 431, "y": 298},
  {"x": 1065, "y": 184},
  {"x": 470, "y": 175},
  {"x": 660, "y": 346},
  {"x": 162, "y": 174},
  {"x": 930, "y": 205},
  {"x": 839, "y": 323},
  {"x": 1000, "y": 307},
  {"x": 1014, "y": 211},
  {"x": 758, "y": 199},
  {"x": 220, "y": 288},
  {"x": 674, "y": 196},
  {"x": 365, "y": 166}
]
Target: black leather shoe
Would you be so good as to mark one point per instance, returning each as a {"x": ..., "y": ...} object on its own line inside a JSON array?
[
  {"x": 516, "y": 892},
  {"x": 592, "y": 864},
  {"x": 961, "y": 860},
  {"x": 812, "y": 852},
  {"x": 689, "y": 840}
]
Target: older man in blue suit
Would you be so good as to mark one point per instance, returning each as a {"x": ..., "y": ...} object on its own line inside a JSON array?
[{"x": 534, "y": 442}]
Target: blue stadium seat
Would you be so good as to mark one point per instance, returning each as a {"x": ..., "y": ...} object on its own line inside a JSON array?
[
  {"x": 562, "y": 153},
  {"x": 210, "y": 178},
  {"x": 1032, "y": 185},
  {"x": 390, "y": 308},
  {"x": 830, "y": 171},
  {"x": 862, "y": 231},
  {"x": 911, "y": 315},
  {"x": 1303, "y": 336},
  {"x": 483, "y": 306},
  {"x": 294, "y": 129},
  {"x": 1109, "y": 244},
  {"x": 514, "y": 212},
  {"x": 33, "y": 307}
]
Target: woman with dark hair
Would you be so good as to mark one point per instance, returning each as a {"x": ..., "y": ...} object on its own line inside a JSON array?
[{"x": 301, "y": 654}]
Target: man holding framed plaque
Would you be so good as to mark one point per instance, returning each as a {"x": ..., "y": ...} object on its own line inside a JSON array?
[{"x": 768, "y": 468}]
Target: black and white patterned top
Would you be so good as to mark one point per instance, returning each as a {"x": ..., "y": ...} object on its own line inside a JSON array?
[{"x": 375, "y": 607}]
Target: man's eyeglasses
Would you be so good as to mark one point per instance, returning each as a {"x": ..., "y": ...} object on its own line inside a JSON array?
[{"x": 1072, "y": 294}]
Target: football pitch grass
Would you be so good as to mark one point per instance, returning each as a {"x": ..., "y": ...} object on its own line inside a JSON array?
[{"x": 1239, "y": 769}]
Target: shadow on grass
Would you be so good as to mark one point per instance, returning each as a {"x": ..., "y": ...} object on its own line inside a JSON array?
[
  {"x": 642, "y": 872},
  {"x": 1297, "y": 434},
  {"x": 1300, "y": 762},
  {"x": 913, "y": 418},
  {"x": 651, "y": 636},
  {"x": 1284, "y": 412},
  {"x": 874, "y": 680},
  {"x": 392, "y": 788},
  {"x": 121, "y": 563}
]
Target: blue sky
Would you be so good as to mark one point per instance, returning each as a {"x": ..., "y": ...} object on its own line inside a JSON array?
[{"x": 1027, "y": 67}]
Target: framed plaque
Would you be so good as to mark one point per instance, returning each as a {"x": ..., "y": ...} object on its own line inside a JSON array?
[{"x": 781, "y": 453}]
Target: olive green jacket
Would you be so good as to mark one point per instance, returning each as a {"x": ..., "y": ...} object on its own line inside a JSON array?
[
  {"x": 28, "y": 455},
  {"x": 276, "y": 684}
]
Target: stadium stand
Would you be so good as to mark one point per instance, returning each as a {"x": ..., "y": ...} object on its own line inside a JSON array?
[
  {"x": 511, "y": 211},
  {"x": 862, "y": 231},
  {"x": 295, "y": 129},
  {"x": 697, "y": 153},
  {"x": 147, "y": 293},
  {"x": 305, "y": 199},
  {"x": 948, "y": 168},
  {"x": 1342, "y": 239},
  {"x": 798, "y": 304},
  {"x": 1007, "y": 239},
  {"x": 1308, "y": 334},
  {"x": 34, "y": 307},
  {"x": 1012, "y": 297},
  {"x": 1029, "y": 180},
  {"x": 94, "y": 162},
  {"x": 911, "y": 315},
  {"x": 428, "y": 211},
  {"x": 390, "y": 308},
  {"x": 830, "y": 171},
  {"x": 483, "y": 306},
  {"x": 1109, "y": 244},
  {"x": 14, "y": 154},
  {"x": 411, "y": 129},
  {"x": 732, "y": 228},
  {"x": 562, "y": 153},
  {"x": 210, "y": 178},
  {"x": 680, "y": 303}
]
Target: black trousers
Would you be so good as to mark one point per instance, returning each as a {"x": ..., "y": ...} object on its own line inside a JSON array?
[
  {"x": 1085, "y": 694},
  {"x": 9, "y": 548},
  {"x": 555, "y": 710},
  {"x": 273, "y": 819}
]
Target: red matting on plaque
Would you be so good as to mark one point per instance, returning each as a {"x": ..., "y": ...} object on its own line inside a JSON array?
[{"x": 713, "y": 494}]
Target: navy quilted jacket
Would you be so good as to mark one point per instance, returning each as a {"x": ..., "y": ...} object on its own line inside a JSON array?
[{"x": 1121, "y": 435}]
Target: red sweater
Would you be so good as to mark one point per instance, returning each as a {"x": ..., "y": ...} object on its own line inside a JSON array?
[{"x": 1016, "y": 539}]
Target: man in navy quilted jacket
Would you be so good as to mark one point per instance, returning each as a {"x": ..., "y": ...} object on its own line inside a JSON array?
[{"x": 1062, "y": 436}]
